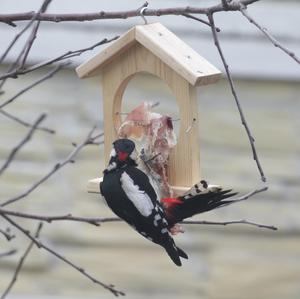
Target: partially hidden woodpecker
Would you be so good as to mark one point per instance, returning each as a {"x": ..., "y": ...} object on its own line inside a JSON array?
[{"x": 131, "y": 196}]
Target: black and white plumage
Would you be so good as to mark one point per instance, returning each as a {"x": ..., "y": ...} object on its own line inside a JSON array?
[{"x": 129, "y": 193}]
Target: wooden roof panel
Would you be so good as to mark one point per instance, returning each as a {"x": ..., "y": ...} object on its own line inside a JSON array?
[{"x": 162, "y": 43}]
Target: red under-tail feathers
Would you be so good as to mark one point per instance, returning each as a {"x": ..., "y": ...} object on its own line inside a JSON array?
[{"x": 198, "y": 199}]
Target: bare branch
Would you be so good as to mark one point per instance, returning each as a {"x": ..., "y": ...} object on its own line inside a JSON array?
[
  {"x": 33, "y": 34},
  {"x": 20, "y": 33},
  {"x": 69, "y": 159},
  {"x": 21, "y": 143},
  {"x": 234, "y": 93},
  {"x": 199, "y": 20},
  {"x": 66, "y": 217},
  {"x": 8, "y": 253},
  {"x": 45, "y": 77},
  {"x": 68, "y": 54},
  {"x": 274, "y": 41},
  {"x": 25, "y": 123},
  {"x": 97, "y": 221},
  {"x": 271, "y": 227},
  {"x": 20, "y": 264},
  {"x": 7, "y": 234},
  {"x": 39, "y": 244},
  {"x": 232, "y": 6},
  {"x": 250, "y": 194},
  {"x": 25, "y": 50}
]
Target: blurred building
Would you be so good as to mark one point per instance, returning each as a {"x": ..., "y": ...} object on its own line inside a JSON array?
[{"x": 234, "y": 262}]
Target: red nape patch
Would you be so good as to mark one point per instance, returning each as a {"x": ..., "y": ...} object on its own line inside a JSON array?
[
  {"x": 122, "y": 156},
  {"x": 170, "y": 202}
]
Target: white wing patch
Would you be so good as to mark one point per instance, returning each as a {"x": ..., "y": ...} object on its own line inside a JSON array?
[{"x": 138, "y": 197}]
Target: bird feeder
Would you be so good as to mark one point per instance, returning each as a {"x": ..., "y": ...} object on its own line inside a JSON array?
[{"x": 153, "y": 49}]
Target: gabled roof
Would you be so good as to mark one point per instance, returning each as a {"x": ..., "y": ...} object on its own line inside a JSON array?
[{"x": 162, "y": 43}]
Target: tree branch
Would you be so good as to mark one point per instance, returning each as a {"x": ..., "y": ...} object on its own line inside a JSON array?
[
  {"x": 98, "y": 221},
  {"x": 7, "y": 234},
  {"x": 199, "y": 20},
  {"x": 49, "y": 219},
  {"x": 234, "y": 93},
  {"x": 26, "y": 48},
  {"x": 271, "y": 227},
  {"x": 18, "y": 35},
  {"x": 274, "y": 41},
  {"x": 33, "y": 34},
  {"x": 20, "y": 264},
  {"x": 66, "y": 55},
  {"x": 25, "y": 123},
  {"x": 45, "y": 77},
  {"x": 233, "y": 6},
  {"x": 69, "y": 159},
  {"x": 8, "y": 253},
  {"x": 27, "y": 137},
  {"x": 39, "y": 244}
]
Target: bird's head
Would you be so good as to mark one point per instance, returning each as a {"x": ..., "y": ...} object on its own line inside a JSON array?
[{"x": 122, "y": 153}]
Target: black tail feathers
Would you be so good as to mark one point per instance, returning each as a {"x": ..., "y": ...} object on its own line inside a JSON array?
[
  {"x": 182, "y": 253},
  {"x": 175, "y": 253},
  {"x": 200, "y": 203}
]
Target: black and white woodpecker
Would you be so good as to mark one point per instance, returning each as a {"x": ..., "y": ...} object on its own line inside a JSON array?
[{"x": 131, "y": 196}]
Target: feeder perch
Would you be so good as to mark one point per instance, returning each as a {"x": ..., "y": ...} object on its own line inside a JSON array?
[{"x": 153, "y": 49}]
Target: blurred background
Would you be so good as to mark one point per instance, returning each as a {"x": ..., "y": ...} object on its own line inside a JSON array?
[{"x": 232, "y": 262}]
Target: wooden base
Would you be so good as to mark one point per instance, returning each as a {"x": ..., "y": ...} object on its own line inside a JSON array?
[{"x": 93, "y": 187}]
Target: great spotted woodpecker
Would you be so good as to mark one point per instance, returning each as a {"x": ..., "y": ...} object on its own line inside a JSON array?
[{"x": 131, "y": 196}]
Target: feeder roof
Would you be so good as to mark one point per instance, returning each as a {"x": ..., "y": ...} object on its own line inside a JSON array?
[{"x": 162, "y": 43}]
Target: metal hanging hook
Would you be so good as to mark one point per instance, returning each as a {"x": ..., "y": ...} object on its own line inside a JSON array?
[{"x": 142, "y": 11}]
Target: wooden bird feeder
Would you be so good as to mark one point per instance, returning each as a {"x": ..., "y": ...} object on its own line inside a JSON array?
[{"x": 153, "y": 49}]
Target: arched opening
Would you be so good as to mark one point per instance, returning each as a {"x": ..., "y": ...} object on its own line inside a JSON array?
[
  {"x": 145, "y": 87},
  {"x": 142, "y": 87}
]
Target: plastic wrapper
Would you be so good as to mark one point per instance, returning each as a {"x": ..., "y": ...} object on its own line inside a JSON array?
[{"x": 156, "y": 135}]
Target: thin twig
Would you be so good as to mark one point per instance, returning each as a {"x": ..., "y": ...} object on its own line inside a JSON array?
[
  {"x": 15, "y": 65},
  {"x": 234, "y": 93},
  {"x": 69, "y": 159},
  {"x": 7, "y": 234},
  {"x": 18, "y": 35},
  {"x": 199, "y": 20},
  {"x": 271, "y": 227},
  {"x": 45, "y": 77},
  {"x": 250, "y": 194},
  {"x": 26, "y": 138},
  {"x": 39, "y": 244},
  {"x": 66, "y": 55},
  {"x": 33, "y": 34},
  {"x": 20, "y": 264},
  {"x": 8, "y": 253},
  {"x": 49, "y": 219},
  {"x": 24, "y": 123},
  {"x": 16, "y": 17},
  {"x": 98, "y": 221},
  {"x": 271, "y": 38}
]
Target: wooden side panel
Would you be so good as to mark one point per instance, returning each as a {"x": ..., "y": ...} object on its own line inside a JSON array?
[{"x": 184, "y": 162}]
